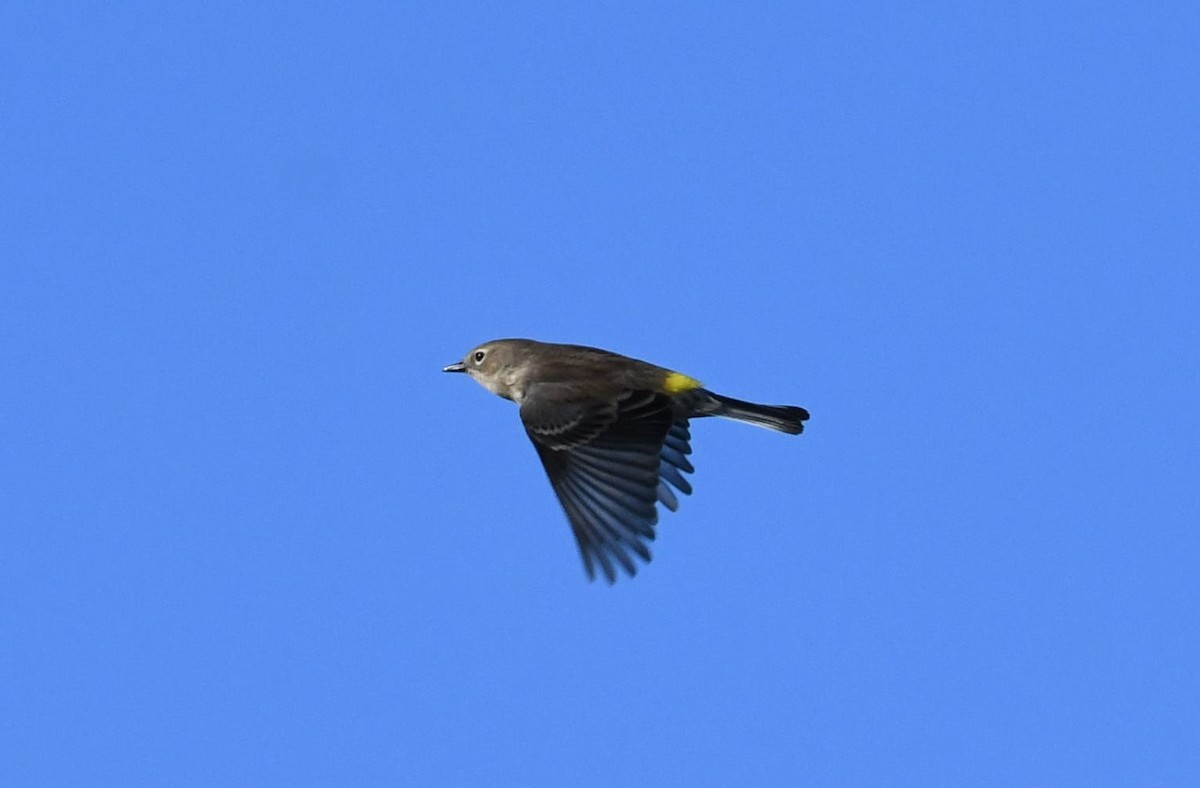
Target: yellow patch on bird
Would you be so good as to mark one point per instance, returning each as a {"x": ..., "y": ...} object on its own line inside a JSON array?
[{"x": 677, "y": 383}]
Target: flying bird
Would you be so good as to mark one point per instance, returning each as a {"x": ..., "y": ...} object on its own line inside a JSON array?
[{"x": 613, "y": 433}]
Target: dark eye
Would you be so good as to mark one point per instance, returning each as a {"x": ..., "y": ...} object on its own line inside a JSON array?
[{"x": 479, "y": 354}]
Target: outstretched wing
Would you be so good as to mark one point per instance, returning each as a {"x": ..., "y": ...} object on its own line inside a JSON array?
[{"x": 610, "y": 463}]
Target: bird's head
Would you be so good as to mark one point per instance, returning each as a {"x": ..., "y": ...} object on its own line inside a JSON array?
[{"x": 496, "y": 366}]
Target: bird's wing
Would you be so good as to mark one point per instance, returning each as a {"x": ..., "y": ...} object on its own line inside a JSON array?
[
  {"x": 558, "y": 420},
  {"x": 609, "y": 463}
]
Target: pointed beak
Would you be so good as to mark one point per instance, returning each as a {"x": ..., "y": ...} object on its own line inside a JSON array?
[{"x": 455, "y": 367}]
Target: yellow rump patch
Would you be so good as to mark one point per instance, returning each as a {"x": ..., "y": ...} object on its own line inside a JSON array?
[{"x": 677, "y": 383}]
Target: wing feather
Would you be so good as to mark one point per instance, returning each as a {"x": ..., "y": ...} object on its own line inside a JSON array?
[{"x": 610, "y": 465}]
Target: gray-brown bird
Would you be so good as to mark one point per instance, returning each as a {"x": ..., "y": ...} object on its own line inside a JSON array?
[{"x": 613, "y": 434}]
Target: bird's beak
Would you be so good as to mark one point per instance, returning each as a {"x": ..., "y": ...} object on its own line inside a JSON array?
[{"x": 456, "y": 367}]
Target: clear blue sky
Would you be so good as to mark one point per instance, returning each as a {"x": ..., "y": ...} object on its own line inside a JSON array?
[{"x": 251, "y": 534}]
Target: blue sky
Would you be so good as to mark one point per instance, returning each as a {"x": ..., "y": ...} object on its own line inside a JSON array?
[{"x": 253, "y": 536}]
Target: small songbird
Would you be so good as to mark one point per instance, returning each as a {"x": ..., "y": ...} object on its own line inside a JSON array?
[{"x": 613, "y": 434}]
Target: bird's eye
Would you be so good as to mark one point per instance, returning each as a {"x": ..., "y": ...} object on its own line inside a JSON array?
[{"x": 478, "y": 356}]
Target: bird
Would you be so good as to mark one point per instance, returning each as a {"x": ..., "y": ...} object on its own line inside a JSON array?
[{"x": 613, "y": 434}]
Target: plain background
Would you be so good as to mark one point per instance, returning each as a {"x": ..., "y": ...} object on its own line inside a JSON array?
[{"x": 251, "y": 535}]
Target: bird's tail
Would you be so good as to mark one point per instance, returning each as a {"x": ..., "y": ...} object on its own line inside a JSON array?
[{"x": 784, "y": 418}]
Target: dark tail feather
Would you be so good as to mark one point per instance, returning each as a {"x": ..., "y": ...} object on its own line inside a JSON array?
[{"x": 784, "y": 418}]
